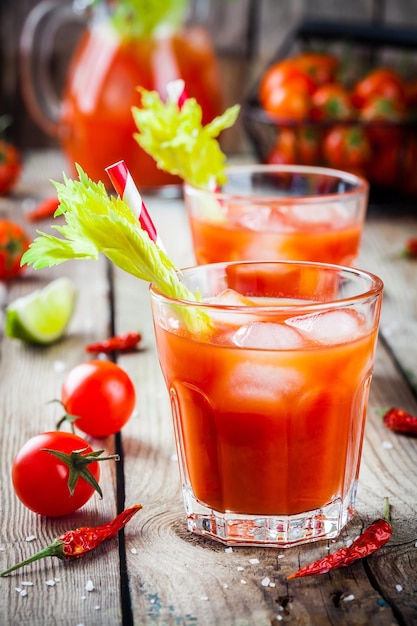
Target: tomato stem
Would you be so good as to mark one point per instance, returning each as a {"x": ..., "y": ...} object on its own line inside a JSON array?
[{"x": 77, "y": 462}]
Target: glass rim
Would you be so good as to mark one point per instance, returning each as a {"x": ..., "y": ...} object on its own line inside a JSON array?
[
  {"x": 375, "y": 288},
  {"x": 361, "y": 184}
]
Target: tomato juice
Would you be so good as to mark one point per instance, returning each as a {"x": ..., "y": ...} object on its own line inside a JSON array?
[
  {"x": 269, "y": 410},
  {"x": 97, "y": 127},
  {"x": 231, "y": 241},
  {"x": 295, "y": 217}
]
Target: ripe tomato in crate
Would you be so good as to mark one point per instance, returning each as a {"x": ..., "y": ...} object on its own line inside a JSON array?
[{"x": 339, "y": 98}]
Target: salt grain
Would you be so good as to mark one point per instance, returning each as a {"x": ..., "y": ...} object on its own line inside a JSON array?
[
  {"x": 398, "y": 587},
  {"x": 83, "y": 597},
  {"x": 134, "y": 551},
  {"x": 50, "y": 583},
  {"x": 18, "y": 589},
  {"x": 60, "y": 366},
  {"x": 265, "y": 582},
  {"x": 387, "y": 445},
  {"x": 240, "y": 568},
  {"x": 89, "y": 585},
  {"x": 204, "y": 598},
  {"x": 349, "y": 543},
  {"x": 281, "y": 556},
  {"x": 225, "y": 586},
  {"x": 97, "y": 607},
  {"x": 57, "y": 580},
  {"x": 24, "y": 592},
  {"x": 30, "y": 537},
  {"x": 349, "y": 598},
  {"x": 228, "y": 550},
  {"x": 254, "y": 561},
  {"x": 243, "y": 581},
  {"x": 2, "y": 548},
  {"x": 279, "y": 618},
  {"x": 272, "y": 584},
  {"x": 26, "y": 583}
]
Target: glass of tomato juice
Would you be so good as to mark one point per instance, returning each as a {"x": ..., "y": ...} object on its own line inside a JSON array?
[
  {"x": 271, "y": 212},
  {"x": 269, "y": 395}
]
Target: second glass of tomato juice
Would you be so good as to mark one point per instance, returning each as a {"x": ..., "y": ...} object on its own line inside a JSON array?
[
  {"x": 272, "y": 212},
  {"x": 269, "y": 377}
]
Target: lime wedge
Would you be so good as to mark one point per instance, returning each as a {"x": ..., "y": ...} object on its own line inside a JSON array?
[{"x": 43, "y": 315}]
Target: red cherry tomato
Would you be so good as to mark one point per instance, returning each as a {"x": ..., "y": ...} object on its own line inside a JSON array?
[
  {"x": 284, "y": 149},
  {"x": 286, "y": 103},
  {"x": 331, "y": 102},
  {"x": 13, "y": 243},
  {"x": 10, "y": 167},
  {"x": 382, "y": 108},
  {"x": 321, "y": 67},
  {"x": 284, "y": 72},
  {"x": 309, "y": 145},
  {"x": 383, "y": 114},
  {"x": 285, "y": 90},
  {"x": 381, "y": 81},
  {"x": 347, "y": 147},
  {"x": 101, "y": 395},
  {"x": 40, "y": 479}
]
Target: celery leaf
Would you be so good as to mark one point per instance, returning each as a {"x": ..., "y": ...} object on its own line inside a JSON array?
[{"x": 177, "y": 140}]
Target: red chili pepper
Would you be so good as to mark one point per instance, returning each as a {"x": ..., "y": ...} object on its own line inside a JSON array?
[
  {"x": 400, "y": 421},
  {"x": 373, "y": 538},
  {"x": 411, "y": 248},
  {"x": 118, "y": 343},
  {"x": 75, "y": 544},
  {"x": 46, "y": 208}
]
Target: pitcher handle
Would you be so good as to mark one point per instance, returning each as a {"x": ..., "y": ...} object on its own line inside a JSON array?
[{"x": 35, "y": 53}]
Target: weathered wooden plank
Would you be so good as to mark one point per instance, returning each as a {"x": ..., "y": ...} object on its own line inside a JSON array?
[
  {"x": 30, "y": 377},
  {"x": 382, "y": 252}
]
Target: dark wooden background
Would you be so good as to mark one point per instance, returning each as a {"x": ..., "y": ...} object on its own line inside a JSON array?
[{"x": 245, "y": 33}]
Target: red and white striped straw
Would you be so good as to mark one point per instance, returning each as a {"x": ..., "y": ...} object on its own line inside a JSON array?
[
  {"x": 124, "y": 185},
  {"x": 176, "y": 92}
]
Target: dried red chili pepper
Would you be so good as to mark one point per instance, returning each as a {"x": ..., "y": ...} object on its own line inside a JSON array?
[
  {"x": 118, "y": 343},
  {"x": 401, "y": 421},
  {"x": 75, "y": 544},
  {"x": 46, "y": 208},
  {"x": 410, "y": 249},
  {"x": 373, "y": 538}
]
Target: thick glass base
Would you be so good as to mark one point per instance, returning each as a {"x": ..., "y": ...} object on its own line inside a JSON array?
[{"x": 278, "y": 531}]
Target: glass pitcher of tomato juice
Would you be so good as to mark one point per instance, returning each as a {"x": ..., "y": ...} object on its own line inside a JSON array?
[{"x": 93, "y": 120}]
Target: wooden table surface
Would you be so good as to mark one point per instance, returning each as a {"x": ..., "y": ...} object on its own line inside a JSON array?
[{"x": 157, "y": 573}]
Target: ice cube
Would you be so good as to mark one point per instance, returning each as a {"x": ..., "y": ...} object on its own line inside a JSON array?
[
  {"x": 231, "y": 297},
  {"x": 330, "y": 327},
  {"x": 256, "y": 219},
  {"x": 266, "y": 219},
  {"x": 268, "y": 336},
  {"x": 260, "y": 382},
  {"x": 331, "y": 214}
]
